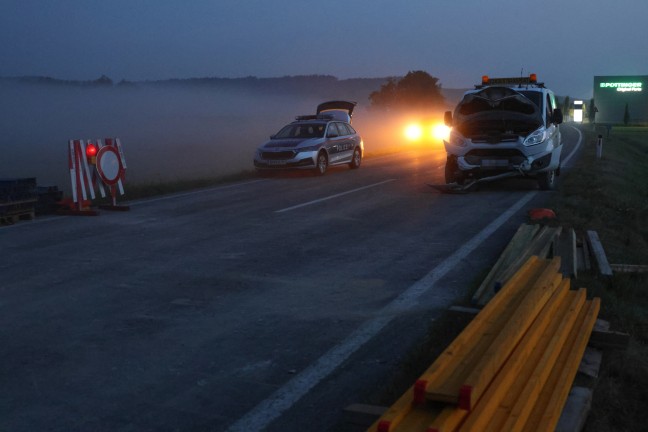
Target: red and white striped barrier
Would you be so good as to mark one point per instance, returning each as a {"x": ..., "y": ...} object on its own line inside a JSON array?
[{"x": 96, "y": 164}]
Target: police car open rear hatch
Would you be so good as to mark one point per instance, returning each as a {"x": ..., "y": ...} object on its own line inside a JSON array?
[{"x": 339, "y": 109}]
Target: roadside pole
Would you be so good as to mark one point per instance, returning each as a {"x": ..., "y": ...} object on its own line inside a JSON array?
[{"x": 599, "y": 147}]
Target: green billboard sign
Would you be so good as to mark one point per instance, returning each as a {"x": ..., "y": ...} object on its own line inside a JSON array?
[
  {"x": 612, "y": 94},
  {"x": 623, "y": 86}
]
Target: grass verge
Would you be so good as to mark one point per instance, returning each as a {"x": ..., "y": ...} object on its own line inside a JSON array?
[
  {"x": 145, "y": 190},
  {"x": 610, "y": 196}
]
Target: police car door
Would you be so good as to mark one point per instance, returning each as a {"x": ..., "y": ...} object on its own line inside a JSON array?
[
  {"x": 334, "y": 142},
  {"x": 346, "y": 149}
]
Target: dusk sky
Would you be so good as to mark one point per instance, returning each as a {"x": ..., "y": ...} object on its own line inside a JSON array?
[{"x": 566, "y": 42}]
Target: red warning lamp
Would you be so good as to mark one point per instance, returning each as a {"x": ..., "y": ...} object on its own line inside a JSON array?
[
  {"x": 91, "y": 153},
  {"x": 533, "y": 78},
  {"x": 484, "y": 79}
]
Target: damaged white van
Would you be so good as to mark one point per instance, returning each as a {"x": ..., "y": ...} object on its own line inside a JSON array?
[{"x": 505, "y": 127}]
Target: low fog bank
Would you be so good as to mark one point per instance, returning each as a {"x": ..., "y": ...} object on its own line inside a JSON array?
[{"x": 168, "y": 132}]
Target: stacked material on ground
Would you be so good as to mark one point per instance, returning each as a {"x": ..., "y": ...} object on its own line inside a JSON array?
[
  {"x": 18, "y": 198},
  {"x": 512, "y": 367}
]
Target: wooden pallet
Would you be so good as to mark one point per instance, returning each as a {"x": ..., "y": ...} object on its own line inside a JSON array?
[{"x": 10, "y": 219}]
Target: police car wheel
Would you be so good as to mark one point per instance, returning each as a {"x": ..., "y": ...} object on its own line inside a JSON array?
[
  {"x": 357, "y": 159},
  {"x": 322, "y": 164}
]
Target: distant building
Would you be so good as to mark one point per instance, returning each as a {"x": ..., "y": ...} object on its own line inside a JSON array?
[
  {"x": 612, "y": 93},
  {"x": 577, "y": 111}
]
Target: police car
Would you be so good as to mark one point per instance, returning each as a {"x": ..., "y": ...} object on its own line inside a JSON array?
[
  {"x": 314, "y": 142},
  {"x": 505, "y": 127}
]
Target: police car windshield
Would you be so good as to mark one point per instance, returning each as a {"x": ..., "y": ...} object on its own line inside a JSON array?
[{"x": 308, "y": 130}]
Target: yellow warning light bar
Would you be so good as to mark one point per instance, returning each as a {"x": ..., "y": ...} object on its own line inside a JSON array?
[{"x": 531, "y": 79}]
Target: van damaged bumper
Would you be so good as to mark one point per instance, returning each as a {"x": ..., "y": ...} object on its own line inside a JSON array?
[{"x": 479, "y": 163}]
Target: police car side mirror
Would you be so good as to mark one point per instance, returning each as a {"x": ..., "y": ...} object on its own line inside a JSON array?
[
  {"x": 557, "y": 116},
  {"x": 447, "y": 118}
]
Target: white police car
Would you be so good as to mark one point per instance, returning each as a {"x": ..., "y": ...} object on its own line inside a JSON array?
[
  {"x": 314, "y": 142},
  {"x": 505, "y": 127}
]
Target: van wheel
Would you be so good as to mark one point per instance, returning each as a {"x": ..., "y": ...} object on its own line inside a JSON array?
[
  {"x": 452, "y": 173},
  {"x": 547, "y": 180}
]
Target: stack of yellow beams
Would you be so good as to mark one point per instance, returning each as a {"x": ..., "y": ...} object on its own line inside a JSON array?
[{"x": 512, "y": 366}]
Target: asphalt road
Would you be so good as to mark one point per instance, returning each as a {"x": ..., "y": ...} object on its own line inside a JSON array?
[{"x": 267, "y": 304}]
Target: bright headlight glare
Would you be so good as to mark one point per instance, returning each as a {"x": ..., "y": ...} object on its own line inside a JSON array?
[
  {"x": 440, "y": 131},
  {"x": 413, "y": 132},
  {"x": 536, "y": 137}
]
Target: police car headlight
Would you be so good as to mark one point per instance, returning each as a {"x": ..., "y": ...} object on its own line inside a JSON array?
[
  {"x": 307, "y": 149},
  {"x": 536, "y": 137}
]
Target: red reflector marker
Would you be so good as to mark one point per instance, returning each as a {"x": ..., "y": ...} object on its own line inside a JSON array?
[
  {"x": 541, "y": 213},
  {"x": 419, "y": 392},
  {"x": 465, "y": 397},
  {"x": 384, "y": 426}
]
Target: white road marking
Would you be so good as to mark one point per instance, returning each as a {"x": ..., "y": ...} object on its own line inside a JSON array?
[
  {"x": 333, "y": 196},
  {"x": 578, "y": 143},
  {"x": 285, "y": 397}
]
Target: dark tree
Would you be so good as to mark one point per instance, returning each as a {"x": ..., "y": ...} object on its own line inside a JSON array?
[
  {"x": 103, "y": 80},
  {"x": 386, "y": 96},
  {"x": 591, "y": 112},
  {"x": 416, "y": 90},
  {"x": 566, "y": 107},
  {"x": 626, "y": 116}
]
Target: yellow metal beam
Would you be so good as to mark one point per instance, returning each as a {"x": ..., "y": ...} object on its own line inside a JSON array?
[
  {"x": 491, "y": 316},
  {"x": 516, "y": 408},
  {"x": 475, "y": 370},
  {"x": 519, "y": 366},
  {"x": 548, "y": 407},
  {"x": 536, "y": 330}
]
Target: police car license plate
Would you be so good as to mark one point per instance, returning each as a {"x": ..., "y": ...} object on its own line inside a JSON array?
[{"x": 277, "y": 162}]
